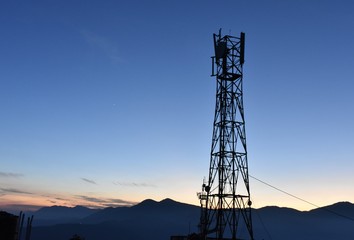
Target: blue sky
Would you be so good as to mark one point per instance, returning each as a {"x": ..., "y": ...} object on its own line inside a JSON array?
[{"x": 111, "y": 102}]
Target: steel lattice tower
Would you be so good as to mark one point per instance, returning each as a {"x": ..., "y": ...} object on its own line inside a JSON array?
[{"x": 225, "y": 197}]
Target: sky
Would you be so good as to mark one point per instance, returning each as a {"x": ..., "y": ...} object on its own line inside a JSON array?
[{"x": 108, "y": 103}]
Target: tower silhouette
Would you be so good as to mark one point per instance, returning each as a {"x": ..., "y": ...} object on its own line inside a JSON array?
[{"x": 225, "y": 197}]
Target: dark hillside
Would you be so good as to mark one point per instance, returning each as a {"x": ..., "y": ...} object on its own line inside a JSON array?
[{"x": 159, "y": 220}]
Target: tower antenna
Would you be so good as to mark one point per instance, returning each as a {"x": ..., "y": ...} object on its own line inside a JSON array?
[{"x": 225, "y": 197}]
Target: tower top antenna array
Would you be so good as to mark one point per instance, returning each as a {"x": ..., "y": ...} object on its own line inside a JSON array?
[{"x": 225, "y": 197}]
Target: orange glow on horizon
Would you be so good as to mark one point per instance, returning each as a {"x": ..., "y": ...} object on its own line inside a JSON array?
[{"x": 33, "y": 202}]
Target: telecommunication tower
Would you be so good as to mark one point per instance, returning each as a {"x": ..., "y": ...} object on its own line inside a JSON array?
[{"x": 225, "y": 196}]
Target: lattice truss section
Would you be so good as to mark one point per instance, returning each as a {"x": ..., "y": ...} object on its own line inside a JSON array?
[{"x": 225, "y": 197}]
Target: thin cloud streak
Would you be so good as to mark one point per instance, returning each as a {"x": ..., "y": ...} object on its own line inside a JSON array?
[
  {"x": 88, "y": 181},
  {"x": 104, "y": 44},
  {"x": 133, "y": 184},
  {"x": 10, "y": 175},
  {"x": 105, "y": 202},
  {"x": 13, "y": 190}
]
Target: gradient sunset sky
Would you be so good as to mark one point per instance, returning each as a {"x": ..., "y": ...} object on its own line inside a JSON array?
[{"x": 108, "y": 103}]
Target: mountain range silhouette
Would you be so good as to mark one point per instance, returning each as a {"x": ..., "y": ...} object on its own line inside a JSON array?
[{"x": 160, "y": 220}]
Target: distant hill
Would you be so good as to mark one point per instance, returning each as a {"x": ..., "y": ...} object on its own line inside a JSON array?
[
  {"x": 159, "y": 220},
  {"x": 59, "y": 214},
  {"x": 337, "y": 209},
  {"x": 148, "y": 209},
  {"x": 321, "y": 223}
]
